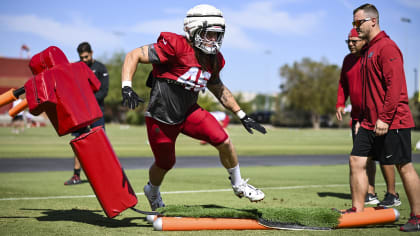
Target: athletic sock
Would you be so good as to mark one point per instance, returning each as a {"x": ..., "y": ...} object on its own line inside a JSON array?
[
  {"x": 153, "y": 189},
  {"x": 235, "y": 175},
  {"x": 77, "y": 172}
]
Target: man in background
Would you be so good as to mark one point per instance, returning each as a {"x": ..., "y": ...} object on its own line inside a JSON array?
[
  {"x": 384, "y": 127},
  {"x": 350, "y": 84},
  {"x": 86, "y": 55}
]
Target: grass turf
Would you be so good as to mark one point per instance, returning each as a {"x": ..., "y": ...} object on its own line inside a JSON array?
[
  {"x": 317, "y": 217},
  {"x": 132, "y": 142},
  {"x": 39, "y": 204}
]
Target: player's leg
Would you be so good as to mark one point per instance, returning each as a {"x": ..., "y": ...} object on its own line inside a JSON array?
[
  {"x": 360, "y": 155},
  {"x": 200, "y": 124},
  {"x": 397, "y": 146},
  {"x": 391, "y": 196},
  {"x": 77, "y": 168},
  {"x": 371, "y": 197},
  {"x": 358, "y": 181},
  {"x": 162, "y": 142},
  {"x": 411, "y": 183}
]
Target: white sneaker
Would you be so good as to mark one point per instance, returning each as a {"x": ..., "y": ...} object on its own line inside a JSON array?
[
  {"x": 246, "y": 190},
  {"x": 155, "y": 201}
]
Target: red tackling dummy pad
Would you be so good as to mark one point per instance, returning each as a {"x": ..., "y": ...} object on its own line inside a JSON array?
[
  {"x": 47, "y": 59},
  {"x": 104, "y": 172},
  {"x": 65, "y": 91}
]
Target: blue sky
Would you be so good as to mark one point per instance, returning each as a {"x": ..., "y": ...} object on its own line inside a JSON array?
[{"x": 261, "y": 36}]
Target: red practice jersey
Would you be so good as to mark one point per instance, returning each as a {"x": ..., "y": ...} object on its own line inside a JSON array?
[{"x": 178, "y": 62}]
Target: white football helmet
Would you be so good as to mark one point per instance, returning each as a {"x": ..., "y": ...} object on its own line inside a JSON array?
[{"x": 200, "y": 20}]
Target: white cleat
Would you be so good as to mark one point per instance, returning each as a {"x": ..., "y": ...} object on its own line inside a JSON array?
[
  {"x": 155, "y": 201},
  {"x": 246, "y": 190}
]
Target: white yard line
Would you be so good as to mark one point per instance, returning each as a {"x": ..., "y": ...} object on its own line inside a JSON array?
[{"x": 184, "y": 192}]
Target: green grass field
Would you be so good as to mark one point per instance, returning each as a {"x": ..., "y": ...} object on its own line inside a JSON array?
[
  {"x": 37, "y": 203},
  {"x": 131, "y": 141}
]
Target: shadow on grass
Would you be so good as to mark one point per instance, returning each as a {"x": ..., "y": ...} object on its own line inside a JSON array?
[
  {"x": 87, "y": 217},
  {"x": 337, "y": 195}
]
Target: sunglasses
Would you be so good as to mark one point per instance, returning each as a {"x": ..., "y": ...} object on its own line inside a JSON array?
[
  {"x": 353, "y": 41},
  {"x": 358, "y": 23}
]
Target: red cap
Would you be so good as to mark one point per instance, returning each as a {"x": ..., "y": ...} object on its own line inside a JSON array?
[{"x": 353, "y": 33}]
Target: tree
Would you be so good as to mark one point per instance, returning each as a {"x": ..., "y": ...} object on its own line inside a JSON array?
[
  {"x": 415, "y": 109},
  {"x": 113, "y": 109},
  {"x": 209, "y": 102},
  {"x": 311, "y": 87}
]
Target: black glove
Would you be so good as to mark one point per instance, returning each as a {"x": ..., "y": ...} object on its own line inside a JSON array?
[
  {"x": 130, "y": 98},
  {"x": 250, "y": 124}
]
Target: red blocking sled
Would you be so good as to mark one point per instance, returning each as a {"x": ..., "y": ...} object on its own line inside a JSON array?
[
  {"x": 65, "y": 92},
  {"x": 104, "y": 172}
]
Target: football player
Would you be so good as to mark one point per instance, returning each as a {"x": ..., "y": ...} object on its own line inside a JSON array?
[{"x": 182, "y": 67}]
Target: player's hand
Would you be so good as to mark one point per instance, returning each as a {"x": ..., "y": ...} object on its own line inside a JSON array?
[
  {"x": 356, "y": 128},
  {"x": 130, "y": 98},
  {"x": 381, "y": 128},
  {"x": 250, "y": 124},
  {"x": 339, "y": 111}
]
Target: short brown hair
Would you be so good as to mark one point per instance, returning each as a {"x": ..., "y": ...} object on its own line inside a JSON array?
[
  {"x": 369, "y": 9},
  {"x": 84, "y": 47}
]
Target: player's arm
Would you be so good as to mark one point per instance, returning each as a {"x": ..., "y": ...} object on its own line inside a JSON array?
[
  {"x": 223, "y": 94},
  {"x": 104, "y": 79},
  {"x": 138, "y": 55},
  {"x": 226, "y": 98},
  {"x": 342, "y": 93},
  {"x": 129, "y": 68}
]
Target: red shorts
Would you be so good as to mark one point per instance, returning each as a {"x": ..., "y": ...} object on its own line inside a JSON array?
[{"x": 199, "y": 124}]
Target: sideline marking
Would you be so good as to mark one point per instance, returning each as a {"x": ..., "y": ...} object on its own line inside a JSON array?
[{"x": 187, "y": 191}]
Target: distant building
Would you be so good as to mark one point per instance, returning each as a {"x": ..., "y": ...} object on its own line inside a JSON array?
[
  {"x": 14, "y": 72},
  {"x": 246, "y": 96}
]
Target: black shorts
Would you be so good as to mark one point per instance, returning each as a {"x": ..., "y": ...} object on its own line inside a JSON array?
[
  {"x": 100, "y": 122},
  {"x": 17, "y": 118},
  {"x": 392, "y": 148},
  {"x": 353, "y": 129}
]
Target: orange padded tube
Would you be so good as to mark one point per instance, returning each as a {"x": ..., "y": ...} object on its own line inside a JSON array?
[
  {"x": 368, "y": 217},
  {"x": 18, "y": 108},
  {"x": 7, "y": 97},
  {"x": 189, "y": 223}
]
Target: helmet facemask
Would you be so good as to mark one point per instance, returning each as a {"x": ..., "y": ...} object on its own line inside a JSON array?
[{"x": 209, "y": 39}]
